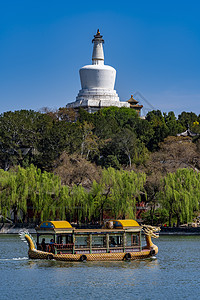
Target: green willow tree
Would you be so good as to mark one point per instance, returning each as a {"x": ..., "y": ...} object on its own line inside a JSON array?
[
  {"x": 181, "y": 194},
  {"x": 98, "y": 200},
  {"x": 48, "y": 197},
  {"x": 79, "y": 207},
  {"x": 114, "y": 196},
  {"x": 118, "y": 191},
  {"x": 13, "y": 193},
  {"x": 43, "y": 191}
]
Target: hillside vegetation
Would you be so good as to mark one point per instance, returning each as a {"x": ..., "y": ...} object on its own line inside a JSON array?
[{"x": 86, "y": 167}]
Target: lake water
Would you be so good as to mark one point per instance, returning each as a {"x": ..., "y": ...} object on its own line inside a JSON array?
[{"x": 174, "y": 274}]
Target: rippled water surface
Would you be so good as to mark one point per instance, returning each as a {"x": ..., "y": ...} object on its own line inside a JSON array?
[{"x": 174, "y": 274}]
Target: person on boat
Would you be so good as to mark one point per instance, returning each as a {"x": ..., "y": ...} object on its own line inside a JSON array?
[
  {"x": 51, "y": 242},
  {"x": 51, "y": 246},
  {"x": 43, "y": 244},
  {"x": 62, "y": 244},
  {"x": 112, "y": 242}
]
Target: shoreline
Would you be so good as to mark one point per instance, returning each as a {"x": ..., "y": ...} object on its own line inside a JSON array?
[
  {"x": 15, "y": 229},
  {"x": 180, "y": 231},
  {"x": 164, "y": 230}
]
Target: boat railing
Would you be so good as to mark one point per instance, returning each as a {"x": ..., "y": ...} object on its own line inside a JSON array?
[
  {"x": 51, "y": 247},
  {"x": 63, "y": 246},
  {"x": 60, "y": 248},
  {"x": 82, "y": 245},
  {"x": 132, "y": 248}
]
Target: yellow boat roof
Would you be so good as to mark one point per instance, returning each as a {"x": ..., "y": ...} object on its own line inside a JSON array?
[
  {"x": 55, "y": 225},
  {"x": 125, "y": 223}
]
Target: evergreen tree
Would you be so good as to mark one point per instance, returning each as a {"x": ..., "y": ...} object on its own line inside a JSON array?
[{"x": 161, "y": 130}]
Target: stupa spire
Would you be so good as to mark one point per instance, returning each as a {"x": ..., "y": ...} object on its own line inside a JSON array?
[{"x": 98, "y": 55}]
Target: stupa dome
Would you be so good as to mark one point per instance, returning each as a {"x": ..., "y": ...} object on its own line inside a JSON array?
[{"x": 97, "y": 77}]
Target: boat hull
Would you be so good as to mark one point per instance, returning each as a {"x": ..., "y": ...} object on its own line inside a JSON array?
[{"x": 118, "y": 256}]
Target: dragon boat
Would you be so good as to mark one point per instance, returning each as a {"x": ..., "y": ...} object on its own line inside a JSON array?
[{"x": 117, "y": 240}]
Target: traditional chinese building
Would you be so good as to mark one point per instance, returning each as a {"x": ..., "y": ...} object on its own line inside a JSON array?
[{"x": 134, "y": 105}]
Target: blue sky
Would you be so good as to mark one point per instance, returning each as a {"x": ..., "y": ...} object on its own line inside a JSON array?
[{"x": 153, "y": 45}]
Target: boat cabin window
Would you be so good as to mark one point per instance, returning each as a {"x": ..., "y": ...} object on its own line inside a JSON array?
[
  {"x": 46, "y": 237},
  {"x": 132, "y": 239},
  {"x": 64, "y": 239},
  {"x": 116, "y": 241},
  {"x": 98, "y": 241},
  {"x": 44, "y": 242},
  {"x": 82, "y": 241}
]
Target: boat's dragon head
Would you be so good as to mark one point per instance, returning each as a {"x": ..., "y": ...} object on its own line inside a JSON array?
[
  {"x": 151, "y": 231},
  {"x": 26, "y": 237}
]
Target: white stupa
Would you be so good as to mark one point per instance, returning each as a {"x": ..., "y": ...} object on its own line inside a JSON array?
[{"x": 97, "y": 82}]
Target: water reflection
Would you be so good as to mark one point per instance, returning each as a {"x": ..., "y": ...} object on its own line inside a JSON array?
[{"x": 135, "y": 264}]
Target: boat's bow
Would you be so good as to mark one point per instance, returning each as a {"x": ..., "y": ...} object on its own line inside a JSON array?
[{"x": 151, "y": 231}]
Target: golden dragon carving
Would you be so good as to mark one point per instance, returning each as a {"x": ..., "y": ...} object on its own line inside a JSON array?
[{"x": 151, "y": 231}]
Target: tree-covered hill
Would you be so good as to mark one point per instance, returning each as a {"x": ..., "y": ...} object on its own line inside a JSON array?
[
  {"x": 110, "y": 137},
  {"x": 78, "y": 148}
]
